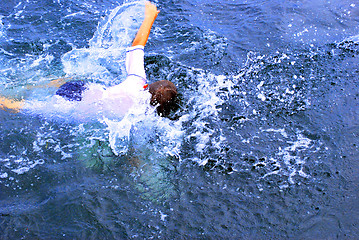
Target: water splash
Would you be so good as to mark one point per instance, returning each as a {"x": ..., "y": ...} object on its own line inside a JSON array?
[
  {"x": 104, "y": 59},
  {"x": 215, "y": 108}
]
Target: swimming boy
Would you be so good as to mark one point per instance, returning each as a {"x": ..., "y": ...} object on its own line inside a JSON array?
[{"x": 96, "y": 101}]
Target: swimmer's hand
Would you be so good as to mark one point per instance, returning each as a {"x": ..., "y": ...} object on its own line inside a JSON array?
[
  {"x": 143, "y": 33},
  {"x": 151, "y": 10}
]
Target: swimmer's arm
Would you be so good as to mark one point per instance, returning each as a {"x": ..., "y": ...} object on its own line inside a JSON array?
[
  {"x": 143, "y": 33},
  {"x": 56, "y": 83},
  {"x": 11, "y": 105}
]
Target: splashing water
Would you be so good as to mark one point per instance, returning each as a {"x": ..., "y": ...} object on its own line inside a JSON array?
[
  {"x": 206, "y": 98},
  {"x": 104, "y": 59},
  {"x": 263, "y": 145}
]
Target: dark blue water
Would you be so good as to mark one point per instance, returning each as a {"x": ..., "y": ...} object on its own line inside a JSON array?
[{"x": 264, "y": 145}]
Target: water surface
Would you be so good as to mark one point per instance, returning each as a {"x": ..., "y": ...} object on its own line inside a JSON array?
[{"x": 264, "y": 145}]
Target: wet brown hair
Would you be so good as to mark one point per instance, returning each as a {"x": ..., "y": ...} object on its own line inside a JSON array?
[{"x": 164, "y": 95}]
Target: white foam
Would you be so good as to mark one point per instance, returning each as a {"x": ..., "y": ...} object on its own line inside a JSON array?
[
  {"x": 3, "y": 175},
  {"x": 281, "y": 131},
  {"x": 207, "y": 101},
  {"x": 290, "y": 161},
  {"x": 354, "y": 39},
  {"x": 28, "y": 166},
  {"x": 292, "y": 158}
]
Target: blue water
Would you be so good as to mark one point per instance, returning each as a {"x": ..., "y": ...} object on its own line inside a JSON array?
[{"x": 263, "y": 146}]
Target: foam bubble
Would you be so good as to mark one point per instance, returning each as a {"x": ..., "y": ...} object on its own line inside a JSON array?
[
  {"x": 291, "y": 159},
  {"x": 3, "y": 175},
  {"x": 22, "y": 165},
  {"x": 24, "y": 169}
]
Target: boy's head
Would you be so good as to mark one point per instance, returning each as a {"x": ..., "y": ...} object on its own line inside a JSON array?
[{"x": 164, "y": 95}]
